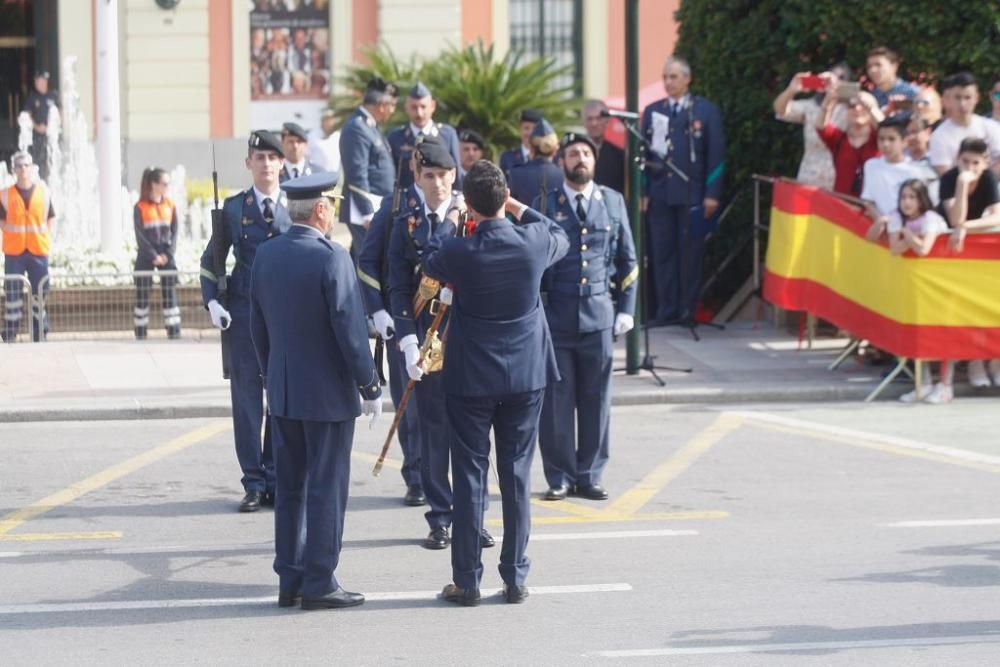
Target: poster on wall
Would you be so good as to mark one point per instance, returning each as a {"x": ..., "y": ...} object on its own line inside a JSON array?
[{"x": 289, "y": 62}]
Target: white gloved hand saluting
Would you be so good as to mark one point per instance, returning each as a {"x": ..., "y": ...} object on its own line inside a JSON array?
[
  {"x": 383, "y": 324},
  {"x": 445, "y": 296},
  {"x": 411, "y": 352},
  {"x": 623, "y": 323},
  {"x": 221, "y": 319},
  {"x": 372, "y": 407}
]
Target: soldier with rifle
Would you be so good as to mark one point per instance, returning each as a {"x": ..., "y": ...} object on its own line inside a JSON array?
[{"x": 246, "y": 220}]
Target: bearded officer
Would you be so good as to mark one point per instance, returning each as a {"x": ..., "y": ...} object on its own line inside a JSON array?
[
  {"x": 582, "y": 318},
  {"x": 314, "y": 358},
  {"x": 250, "y": 218}
]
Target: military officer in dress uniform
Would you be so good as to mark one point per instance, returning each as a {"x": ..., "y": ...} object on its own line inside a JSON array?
[
  {"x": 515, "y": 156},
  {"x": 366, "y": 160},
  {"x": 498, "y": 360},
  {"x": 582, "y": 318},
  {"x": 39, "y": 103},
  {"x": 411, "y": 230},
  {"x": 309, "y": 333},
  {"x": 539, "y": 174},
  {"x": 251, "y": 217},
  {"x": 295, "y": 142},
  {"x": 471, "y": 148},
  {"x": 684, "y": 132},
  {"x": 373, "y": 273},
  {"x": 420, "y": 106}
]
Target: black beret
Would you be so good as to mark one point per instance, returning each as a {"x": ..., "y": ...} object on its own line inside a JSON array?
[
  {"x": 41, "y": 74},
  {"x": 295, "y": 130},
  {"x": 578, "y": 137},
  {"x": 379, "y": 85},
  {"x": 531, "y": 115},
  {"x": 419, "y": 91},
  {"x": 313, "y": 186},
  {"x": 431, "y": 152},
  {"x": 472, "y": 137},
  {"x": 262, "y": 140}
]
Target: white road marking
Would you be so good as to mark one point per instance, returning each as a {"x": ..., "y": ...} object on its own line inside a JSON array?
[
  {"x": 201, "y": 603},
  {"x": 608, "y": 535},
  {"x": 800, "y": 646},
  {"x": 952, "y": 452},
  {"x": 942, "y": 523}
]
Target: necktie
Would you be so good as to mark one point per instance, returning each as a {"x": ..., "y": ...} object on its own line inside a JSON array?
[
  {"x": 268, "y": 211},
  {"x": 433, "y": 217},
  {"x": 580, "y": 211},
  {"x": 295, "y": 172}
]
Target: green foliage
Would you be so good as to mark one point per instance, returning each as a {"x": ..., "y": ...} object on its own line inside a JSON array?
[
  {"x": 473, "y": 88},
  {"x": 755, "y": 46}
]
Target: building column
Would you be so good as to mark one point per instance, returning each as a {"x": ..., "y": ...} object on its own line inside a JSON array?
[{"x": 595, "y": 38}]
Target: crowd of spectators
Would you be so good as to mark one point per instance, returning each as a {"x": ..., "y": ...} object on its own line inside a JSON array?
[{"x": 918, "y": 157}]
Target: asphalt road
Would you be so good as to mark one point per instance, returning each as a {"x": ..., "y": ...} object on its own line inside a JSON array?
[{"x": 847, "y": 535}]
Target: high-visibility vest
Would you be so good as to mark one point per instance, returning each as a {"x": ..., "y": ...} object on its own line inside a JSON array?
[
  {"x": 26, "y": 228},
  {"x": 156, "y": 214}
]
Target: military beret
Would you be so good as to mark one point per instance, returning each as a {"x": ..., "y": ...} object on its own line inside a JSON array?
[
  {"x": 542, "y": 128},
  {"x": 531, "y": 116},
  {"x": 472, "y": 137},
  {"x": 419, "y": 90},
  {"x": 431, "y": 152},
  {"x": 262, "y": 140},
  {"x": 313, "y": 186},
  {"x": 41, "y": 74},
  {"x": 381, "y": 86},
  {"x": 576, "y": 138},
  {"x": 295, "y": 130}
]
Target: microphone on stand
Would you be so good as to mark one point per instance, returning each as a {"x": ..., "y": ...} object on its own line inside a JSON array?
[{"x": 614, "y": 113}]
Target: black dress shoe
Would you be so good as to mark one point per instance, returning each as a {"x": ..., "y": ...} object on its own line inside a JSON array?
[
  {"x": 515, "y": 594},
  {"x": 556, "y": 493},
  {"x": 438, "y": 539},
  {"x": 286, "y": 600},
  {"x": 335, "y": 600},
  {"x": 592, "y": 492},
  {"x": 414, "y": 496},
  {"x": 268, "y": 499},
  {"x": 467, "y": 597},
  {"x": 486, "y": 540},
  {"x": 251, "y": 501}
]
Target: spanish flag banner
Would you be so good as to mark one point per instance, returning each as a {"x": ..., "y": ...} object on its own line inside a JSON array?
[{"x": 942, "y": 306}]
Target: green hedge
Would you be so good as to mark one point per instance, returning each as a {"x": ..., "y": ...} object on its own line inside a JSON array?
[{"x": 743, "y": 52}]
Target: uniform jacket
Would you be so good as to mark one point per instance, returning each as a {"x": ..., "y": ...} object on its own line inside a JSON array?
[
  {"x": 373, "y": 262},
  {"x": 308, "y": 327},
  {"x": 578, "y": 289},
  {"x": 701, "y": 123},
  {"x": 533, "y": 178},
  {"x": 498, "y": 341},
  {"x": 401, "y": 141},
  {"x": 366, "y": 163},
  {"x": 308, "y": 168},
  {"x": 510, "y": 159},
  {"x": 155, "y": 228},
  {"x": 244, "y": 230}
]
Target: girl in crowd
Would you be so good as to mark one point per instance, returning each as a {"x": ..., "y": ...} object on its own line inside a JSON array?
[{"x": 156, "y": 235}]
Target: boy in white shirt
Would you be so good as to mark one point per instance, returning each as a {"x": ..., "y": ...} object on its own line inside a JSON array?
[
  {"x": 962, "y": 123},
  {"x": 883, "y": 175}
]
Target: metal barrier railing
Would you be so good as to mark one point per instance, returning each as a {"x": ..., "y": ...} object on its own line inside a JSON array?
[
  {"x": 18, "y": 305},
  {"x": 113, "y": 305}
]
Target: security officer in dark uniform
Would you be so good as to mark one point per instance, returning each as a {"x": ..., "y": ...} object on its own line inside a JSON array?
[
  {"x": 251, "y": 217},
  {"x": 311, "y": 340},
  {"x": 471, "y": 148},
  {"x": 295, "y": 142},
  {"x": 38, "y": 103},
  {"x": 582, "y": 318},
  {"x": 516, "y": 156},
  {"x": 373, "y": 273},
  {"x": 366, "y": 160},
  {"x": 684, "y": 132},
  {"x": 498, "y": 361},
  {"x": 420, "y": 106},
  {"x": 434, "y": 213},
  {"x": 531, "y": 180}
]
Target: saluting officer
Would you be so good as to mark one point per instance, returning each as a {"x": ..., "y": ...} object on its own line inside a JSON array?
[
  {"x": 498, "y": 361},
  {"x": 295, "y": 143},
  {"x": 685, "y": 130},
  {"x": 516, "y": 156},
  {"x": 311, "y": 340},
  {"x": 366, "y": 160},
  {"x": 251, "y": 217},
  {"x": 373, "y": 273},
  {"x": 582, "y": 318},
  {"x": 539, "y": 174},
  {"x": 420, "y": 106},
  {"x": 434, "y": 213}
]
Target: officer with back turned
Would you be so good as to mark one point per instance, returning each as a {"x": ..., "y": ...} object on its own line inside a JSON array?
[
  {"x": 250, "y": 218},
  {"x": 517, "y": 156},
  {"x": 539, "y": 174}
]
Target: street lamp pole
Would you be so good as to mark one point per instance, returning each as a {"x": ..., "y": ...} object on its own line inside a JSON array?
[
  {"x": 109, "y": 135},
  {"x": 633, "y": 185}
]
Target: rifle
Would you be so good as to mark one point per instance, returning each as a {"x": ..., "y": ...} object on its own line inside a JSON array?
[{"x": 219, "y": 253}]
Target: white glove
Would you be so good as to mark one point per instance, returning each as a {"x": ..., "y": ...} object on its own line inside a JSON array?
[
  {"x": 623, "y": 323},
  {"x": 373, "y": 408},
  {"x": 411, "y": 352},
  {"x": 445, "y": 296},
  {"x": 221, "y": 319},
  {"x": 383, "y": 324}
]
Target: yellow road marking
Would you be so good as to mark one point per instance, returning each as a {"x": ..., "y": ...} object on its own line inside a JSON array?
[
  {"x": 569, "y": 507},
  {"x": 16, "y": 518},
  {"x": 43, "y": 537},
  {"x": 621, "y": 518}
]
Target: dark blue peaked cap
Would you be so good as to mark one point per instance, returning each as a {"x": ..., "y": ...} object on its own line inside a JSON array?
[{"x": 313, "y": 186}]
